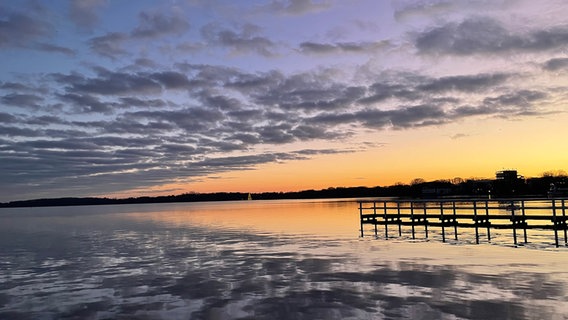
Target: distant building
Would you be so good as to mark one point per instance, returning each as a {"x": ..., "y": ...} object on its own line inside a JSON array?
[
  {"x": 508, "y": 183},
  {"x": 508, "y": 175}
]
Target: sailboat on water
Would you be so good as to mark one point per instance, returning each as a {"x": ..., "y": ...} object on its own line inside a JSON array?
[{"x": 249, "y": 197}]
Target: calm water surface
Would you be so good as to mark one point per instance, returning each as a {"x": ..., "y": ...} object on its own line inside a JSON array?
[{"x": 261, "y": 260}]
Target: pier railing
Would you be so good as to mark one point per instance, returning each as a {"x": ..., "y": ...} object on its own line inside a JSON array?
[{"x": 518, "y": 215}]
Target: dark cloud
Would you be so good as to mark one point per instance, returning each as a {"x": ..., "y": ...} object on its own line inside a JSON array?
[
  {"x": 556, "y": 64},
  {"x": 468, "y": 111},
  {"x": 191, "y": 120},
  {"x": 44, "y": 120},
  {"x": 416, "y": 116},
  {"x": 110, "y": 45},
  {"x": 382, "y": 91},
  {"x": 341, "y": 47},
  {"x": 276, "y": 133},
  {"x": 408, "y": 10},
  {"x": 47, "y": 47},
  {"x": 250, "y": 83},
  {"x": 485, "y": 35},
  {"x": 7, "y": 118},
  {"x": 402, "y": 118},
  {"x": 520, "y": 99},
  {"x": 190, "y": 47},
  {"x": 84, "y": 12},
  {"x": 111, "y": 83},
  {"x": 123, "y": 125},
  {"x": 249, "y": 161},
  {"x": 308, "y": 92},
  {"x": 306, "y": 132},
  {"x": 11, "y": 131},
  {"x": 145, "y": 63},
  {"x": 132, "y": 142},
  {"x": 411, "y": 87},
  {"x": 153, "y": 25},
  {"x": 219, "y": 101},
  {"x": 15, "y": 86},
  {"x": 467, "y": 83},
  {"x": 21, "y": 30},
  {"x": 22, "y": 100},
  {"x": 175, "y": 148},
  {"x": 171, "y": 79},
  {"x": 86, "y": 103},
  {"x": 297, "y": 7},
  {"x": 147, "y": 103},
  {"x": 508, "y": 105},
  {"x": 245, "y": 138},
  {"x": 246, "y": 40},
  {"x": 70, "y": 144},
  {"x": 313, "y": 152},
  {"x": 514, "y": 103},
  {"x": 459, "y": 136}
]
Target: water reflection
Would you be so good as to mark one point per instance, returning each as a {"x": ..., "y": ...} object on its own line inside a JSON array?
[{"x": 180, "y": 262}]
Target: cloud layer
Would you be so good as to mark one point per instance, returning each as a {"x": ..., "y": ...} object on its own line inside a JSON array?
[{"x": 168, "y": 97}]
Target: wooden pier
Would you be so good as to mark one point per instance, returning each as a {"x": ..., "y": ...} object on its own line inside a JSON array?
[{"x": 484, "y": 215}]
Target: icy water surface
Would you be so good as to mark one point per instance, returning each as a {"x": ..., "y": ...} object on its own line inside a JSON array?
[{"x": 260, "y": 260}]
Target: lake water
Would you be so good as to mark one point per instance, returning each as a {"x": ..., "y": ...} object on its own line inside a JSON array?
[{"x": 261, "y": 260}]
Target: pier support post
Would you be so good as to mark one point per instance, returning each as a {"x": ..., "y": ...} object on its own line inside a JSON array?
[
  {"x": 524, "y": 220},
  {"x": 398, "y": 220},
  {"x": 375, "y": 216},
  {"x": 555, "y": 222},
  {"x": 514, "y": 221},
  {"x": 386, "y": 220},
  {"x": 476, "y": 222},
  {"x": 564, "y": 220},
  {"x": 361, "y": 217},
  {"x": 425, "y": 221},
  {"x": 412, "y": 219}
]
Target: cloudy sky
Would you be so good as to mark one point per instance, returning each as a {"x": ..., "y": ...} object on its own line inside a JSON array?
[{"x": 130, "y": 98}]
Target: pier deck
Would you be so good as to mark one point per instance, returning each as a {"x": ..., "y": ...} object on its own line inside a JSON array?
[{"x": 518, "y": 215}]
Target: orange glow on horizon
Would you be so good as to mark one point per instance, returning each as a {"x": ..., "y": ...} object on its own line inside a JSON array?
[{"x": 486, "y": 147}]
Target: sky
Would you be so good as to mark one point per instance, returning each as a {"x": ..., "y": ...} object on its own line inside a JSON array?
[{"x": 144, "y": 98}]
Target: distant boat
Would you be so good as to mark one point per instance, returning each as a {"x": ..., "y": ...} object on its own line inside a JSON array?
[
  {"x": 555, "y": 191},
  {"x": 249, "y": 197}
]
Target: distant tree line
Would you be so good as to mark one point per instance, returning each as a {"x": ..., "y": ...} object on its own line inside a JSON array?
[{"x": 516, "y": 186}]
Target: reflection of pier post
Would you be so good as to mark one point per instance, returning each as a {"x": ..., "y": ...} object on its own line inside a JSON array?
[
  {"x": 398, "y": 219},
  {"x": 524, "y": 220},
  {"x": 386, "y": 224},
  {"x": 442, "y": 219}
]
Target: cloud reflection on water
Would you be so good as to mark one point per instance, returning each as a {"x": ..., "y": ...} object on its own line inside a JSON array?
[{"x": 147, "y": 269}]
